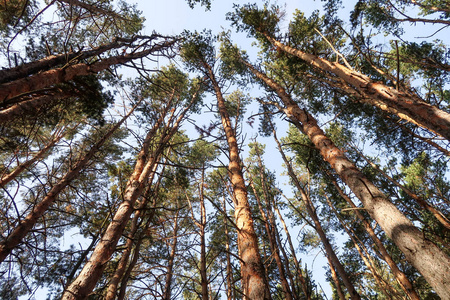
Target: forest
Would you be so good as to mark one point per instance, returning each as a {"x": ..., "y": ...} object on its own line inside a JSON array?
[{"x": 212, "y": 164}]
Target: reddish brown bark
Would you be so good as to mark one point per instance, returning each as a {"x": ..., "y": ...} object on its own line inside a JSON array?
[
  {"x": 426, "y": 257},
  {"x": 122, "y": 265},
  {"x": 169, "y": 269},
  {"x": 16, "y": 236},
  {"x": 254, "y": 282},
  {"x": 63, "y": 74},
  {"x": 405, "y": 105},
  {"x": 44, "y": 64},
  {"x": 93, "y": 269}
]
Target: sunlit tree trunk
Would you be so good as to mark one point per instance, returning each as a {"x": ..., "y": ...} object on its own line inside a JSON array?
[
  {"x": 93, "y": 269},
  {"x": 405, "y": 105},
  {"x": 254, "y": 281},
  {"x": 426, "y": 257},
  {"x": 63, "y": 74},
  {"x": 131, "y": 238}
]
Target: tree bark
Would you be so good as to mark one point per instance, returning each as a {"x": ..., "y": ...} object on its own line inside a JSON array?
[
  {"x": 93, "y": 269},
  {"x": 398, "y": 274},
  {"x": 131, "y": 240},
  {"x": 426, "y": 257},
  {"x": 5, "y": 179},
  {"x": 63, "y": 74},
  {"x": 254, "y": 283},
  {"x": 318, "y": 227},
  {"x": 405, "y": 105}
]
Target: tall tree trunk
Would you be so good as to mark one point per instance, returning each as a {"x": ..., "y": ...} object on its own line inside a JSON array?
[
  {"x": 254, "y": 282},
  {"x": 426, "y": 257},
  {"x": 336, "y": 280},
  {"x": 21, "y": 230},
  {"x": 318, "y": 226},
  {"x": 369, "y": 264},
  {"x": 273, "y": 245},
  {"x": 405, "y": 105},
  {"x": 398, "y": 274},
  {"x": 93, "y": 269},
  {"x": 229, "y": 284},
  {"x": 131, "y": 238},
  {"x": 422, "y": 202},
  {"x": 169, "y": 269},
  {"x": 64, "y": 74},
  {"x": 203, "y": 274},
  {"x": 270, "y": 225},
  {"x": 299, "y": 274}
]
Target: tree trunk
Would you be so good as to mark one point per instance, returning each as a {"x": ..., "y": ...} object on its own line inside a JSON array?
[
  {"x": 5, "y": 179},
  {"x": 273, "y": 245},
  {"x": 336, "y": 280},
  {"x": 169, "y": 273},
  {"x": 131, "y": 238},
  {"x": 318, "y": 227},
  {"x": 296, "y": 262},
  {"x": 46, "y": 63},
  {"x": 426, "y": 257},
  {"x": 405, "y": 105},
  {"x": 93, "y": 269},
  {"x": 254, "y": 284},
  {"x": 16, "y": 236},
  {"x": 64, "y": 74},
  {"x": 399, "y": 275}
]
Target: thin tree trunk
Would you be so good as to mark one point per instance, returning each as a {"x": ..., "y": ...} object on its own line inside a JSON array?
[
  {"x": 318, "y": 226},
  {"x": 426, "y": 257},
  {"x": 227, "y": 249},
  {"x": 336, "y": 280},
  {"x": 21, "y": 230},
  {"x": 273, "y": 245},
  {"x": 405, "y": 105},
  {"x": 5, "y": 179},
  {"x": 435, "y": 212},
  {"x": 368, "y": 263},
  {"x": 64, "y": 74},
  {"x": 203, "y": 274},
  {"x": 254, "y": 283},
  {"x": 169, "y": 275},
  {"x": 296, "y": 262}
]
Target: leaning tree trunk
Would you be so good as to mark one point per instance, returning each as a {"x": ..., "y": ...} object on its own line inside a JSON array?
[
  {"x": 331, "y": 254},
  {"x": 17, "y": 235},
  {"x": 254, "y": 283},
  {"x": 5, "y": 179},
  {"x": 426, "y": 257},
  {"x": 405, "y": 105},
  {"x": 131, "y": 240},
  {"x": 401, "y": 278},
  {"x": 46, "y": 63},
  {"x": 66, "y": 73},
  {"x": 93, "y": 269}
]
